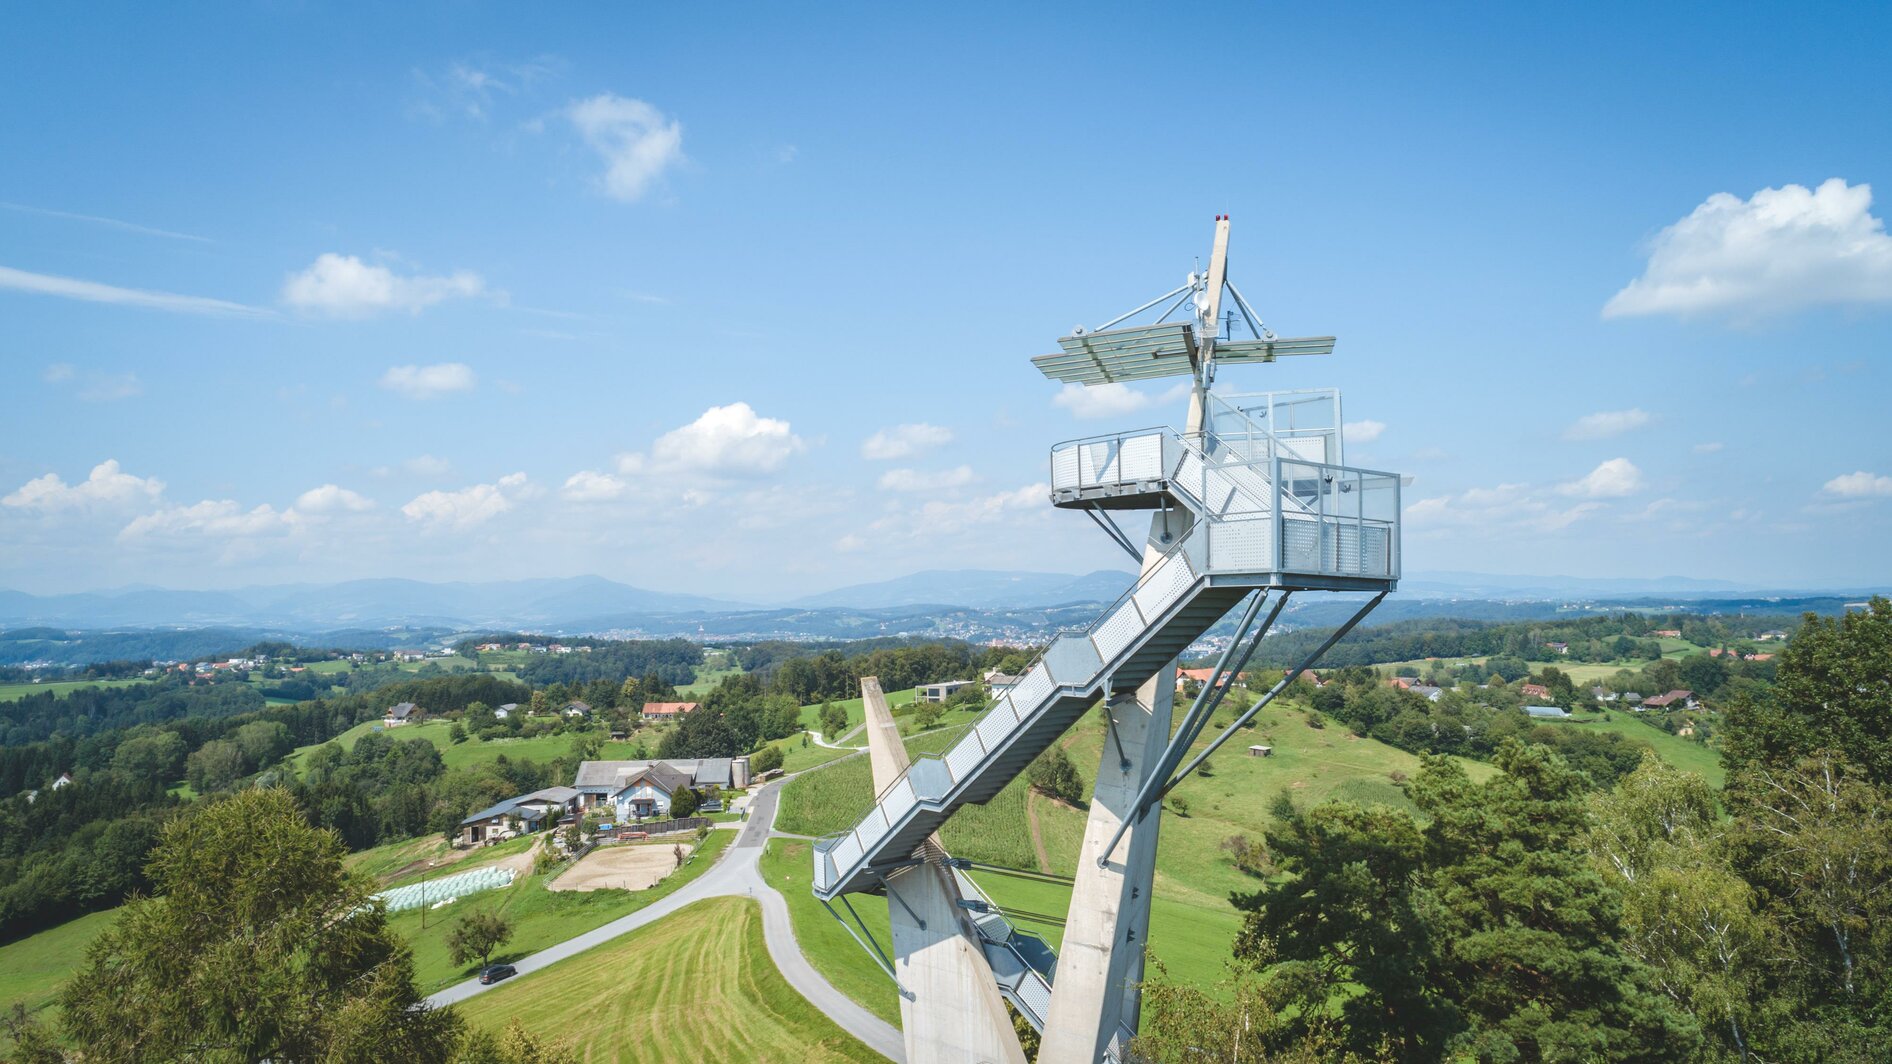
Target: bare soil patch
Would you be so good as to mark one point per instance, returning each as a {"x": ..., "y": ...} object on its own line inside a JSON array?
[{"x": 622, "y": 867}]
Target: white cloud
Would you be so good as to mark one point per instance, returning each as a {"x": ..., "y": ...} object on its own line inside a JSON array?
[
  {"x": 57, "y": 373},
  {"x": 914, "y": 480},
  {"x": 589, "y": 486},
  {"x": 1110, "y": 400},
  {"x": 343, "y": 286},
  {"x": 850, "y": 543},
  {"x": 331, "y": 498},
  {"x": 1780, "y": 250},
  {"x": 1607, "y": 423},
  {"x": 637, "y": 141},
  {"x": 46, "y": 284},
  {"x": 427, "y": 382},
  {"x": 1495, "y": 512},
  {"x": 905, "y": 441},
  {"x": 937, "y": 518},
  {"x": 1609, "y": 480},
  {"x": 1363, "y": 431},
  {"x": 725, "y": 441},
  {"x": 107, "y": 485},
  {"x": 1707, "y": 448},
  {"x": 426, "y": 465},
  {"x": 213, "y": 517},
  {"x": 468, "y": 506},
  {"x": 1859, "y": 485}
]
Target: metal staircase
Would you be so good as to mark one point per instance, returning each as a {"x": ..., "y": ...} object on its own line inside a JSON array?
[{"x": 1258, "y": 523}]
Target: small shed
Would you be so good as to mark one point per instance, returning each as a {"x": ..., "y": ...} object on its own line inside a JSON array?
[{"x": 1260, "y": 751}]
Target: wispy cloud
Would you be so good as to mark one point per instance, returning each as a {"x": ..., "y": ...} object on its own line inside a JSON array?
[
  {"x": 109, "y": 223},
  {"x": 1609, "y": 480},
  {"x": 902, "y": 441},
  {"x": 1860, "y": 485},
  {"x": 47, "y": 284},
  {"x": 636, "y": 140},
  {"x": 914, "y": 480},
  {"x": 429, "y": 382},
  {"x": 1110, "y": 400},
  {"x": 1606, "y": 424},
  {"x": 343, "y": 286}
]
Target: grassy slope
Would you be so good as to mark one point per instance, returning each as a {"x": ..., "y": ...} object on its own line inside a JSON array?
[
  {"x": 697, "y": 986},
  {"x": 32, "y": 968},
  {"x": 540, "y": 917},
  {"x": 856, "y": 713},
  {"x": 477, "y": 752},
  {"x": 1682, "y": 753},
  {"x": 1192, "y": 926}
]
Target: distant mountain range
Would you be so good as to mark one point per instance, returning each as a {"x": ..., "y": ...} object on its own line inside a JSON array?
[
  {"x": 978, "y": 588},
  {"x": 971, "y": 603}
]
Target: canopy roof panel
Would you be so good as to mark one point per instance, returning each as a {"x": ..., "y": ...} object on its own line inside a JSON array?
[
  {"x": 1137, "y": 353},
  {"x": 1239, "y": 351}
]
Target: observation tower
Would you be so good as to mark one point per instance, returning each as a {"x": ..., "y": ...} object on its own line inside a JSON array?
[{"x": 1251, "y": 502}]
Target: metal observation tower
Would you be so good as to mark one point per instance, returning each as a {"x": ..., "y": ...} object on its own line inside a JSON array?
[{"x": 1251, "y": 503}]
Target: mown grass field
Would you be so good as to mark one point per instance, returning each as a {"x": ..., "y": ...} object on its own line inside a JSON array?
[
  {"x": 696, "y": 986},
  {"x": 540, "y": 917}
]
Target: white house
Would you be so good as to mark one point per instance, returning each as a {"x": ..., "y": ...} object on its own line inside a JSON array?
[
  {"x": 647, "y": 793},
  {"x": 577, "y": 709},
  {"x": 505, "y": 711},
  {"x": 940, "y": 692},
  {"x": 404, "y": 713}
]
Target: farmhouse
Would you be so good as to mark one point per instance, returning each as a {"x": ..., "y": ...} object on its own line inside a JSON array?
[
  {"x": 662, "y": 711},
  {"x": 518, "y": 816},
  {"x": 1536, "y": 690},
  {"x": 1667, "y": 633},
  {"x": 598, "y": 781},
  {"x": 577, "y": 709},
  {"x": 647, "y": 792},
  {"x": 506, "y": 710},
  {"x": 1427, "y": 691},
  {"x": 1677, "y": 699},
  {"x": 403, "y": 713},
  {"x": 1000, "y": 683},
  {"x": 1602, "y": 694},
  {"x": 1199, "y": 675},
  {"x": 940, "y": 692}
]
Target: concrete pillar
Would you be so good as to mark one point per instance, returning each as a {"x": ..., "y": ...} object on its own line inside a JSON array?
[
  {"x": 952, "y": 1012},
  {"x": 1100, "y": 960}
]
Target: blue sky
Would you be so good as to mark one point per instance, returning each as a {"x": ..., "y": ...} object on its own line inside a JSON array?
[{"x": 742, "y": 303}]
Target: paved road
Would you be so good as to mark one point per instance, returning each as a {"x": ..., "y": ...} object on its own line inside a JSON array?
[{"x": 735, "y": 873}]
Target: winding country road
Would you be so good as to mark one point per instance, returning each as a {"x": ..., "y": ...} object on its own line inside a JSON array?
[{"x": 735, "y": 873}]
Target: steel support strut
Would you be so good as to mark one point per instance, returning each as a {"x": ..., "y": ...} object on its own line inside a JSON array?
[
  {"x": 1208, "y": 700},
  {"x": 1249, "y": 714}
]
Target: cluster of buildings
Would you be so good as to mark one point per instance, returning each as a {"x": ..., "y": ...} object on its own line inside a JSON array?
[
  {"x": 631, "y": 790},
  {"x": 533, "y": 648}
]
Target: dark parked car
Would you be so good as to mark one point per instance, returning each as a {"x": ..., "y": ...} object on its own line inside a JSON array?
[{"x": 493, "y": 973}]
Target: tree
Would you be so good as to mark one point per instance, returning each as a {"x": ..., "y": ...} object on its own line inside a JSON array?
[
  {"x": 457, "y": 733},
  {"x": 586, "y": 746},
  {"x": 1657, "y": 838},
  {"x": 833, "y": 721},
  {"x": 1052, "y": 774},
  {"x": 514, "y": 1045},
  {"x": 766, "y": 759},
  {"x": 683, "y": 803},
  {"x": 1832, "y": 690},
  {"x": 258, "y": 944},
  {"x": 157, "y": 757},
  {"x": 476, "y": 935},
  {"x": 214, "y": 766},
  {"x": 1484, "y": 934}
]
